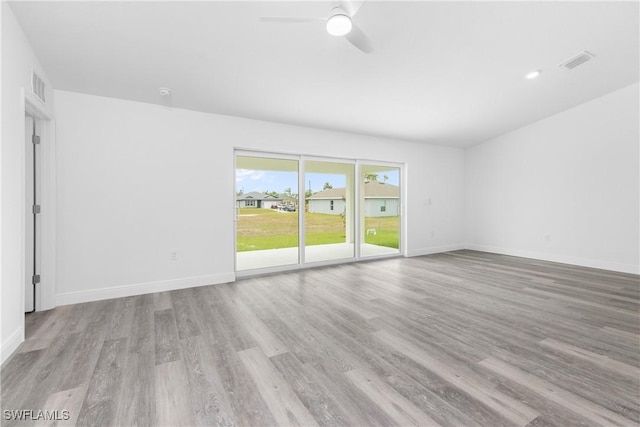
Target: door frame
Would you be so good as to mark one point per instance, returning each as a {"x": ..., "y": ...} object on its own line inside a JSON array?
[
  {"x": 402, "y": 227},
  {"x": 266, "y": 270},
  {"x": 301, "y": 158},
  {"x": 301, "y": 216},
  {"x": 46, "y": 289}
]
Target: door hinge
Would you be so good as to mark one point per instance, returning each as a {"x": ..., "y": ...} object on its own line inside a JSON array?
[
  {"x": 35, "y": 209},
  {"x": 35, "y": 139},
  {"x": 35, "y": 279}
]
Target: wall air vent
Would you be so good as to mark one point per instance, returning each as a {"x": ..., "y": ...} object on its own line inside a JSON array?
[
  {"x": 38, "y": 86},
  {"x": 577, "y": 60}
]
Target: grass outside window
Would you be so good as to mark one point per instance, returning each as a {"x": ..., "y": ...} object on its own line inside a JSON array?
[{"x": 261, "y": 229}]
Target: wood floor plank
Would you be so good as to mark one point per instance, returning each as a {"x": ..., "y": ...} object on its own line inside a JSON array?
[
  {"x": 48, "y": 374},
  {"x": 256, "y": 328},
  {"x": 598, "y": 359},
  {"x": 593, "y": 412},
  {"x": 509, "y": 408},
  {"x": 166, "y": 337},
  {"x": 100, "y": 404},
  {"x": 438, "y": 398},
  {"x": 281, "y": 400},
  {"x": 18, "y": 376},
  {"x": 209, "y": 402},
  {"x": 162, "y": 301},
  {"x": 634, "y": 338},
  {"x": 247, "y": 405},
  {"x": 122, "y": 319},
  {"x": 87, "y": 351},
  {"x": 42, "y": 336},
  {"x": 69, "y": 401},
  {"x": 185, "y": 318},
  {"x": 623, "y": 311},
  {"x": 142, "y": 333},
  {"x": 137, "y": 396},
  {"x": 400, "y": 409},
  {"x": 82, "y": 315},
  {"x": 583, "y": 291},
  {"x": 313, "y": 394},
  {"x": 173, "y": 407}
]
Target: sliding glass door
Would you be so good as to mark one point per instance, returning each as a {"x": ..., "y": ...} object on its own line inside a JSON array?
[
  {"x": 380, "y": 209},
  {"x": 298, "y": 210},
  {"x": 329, "y": 221},
  {"x": 267, "y": 228}
]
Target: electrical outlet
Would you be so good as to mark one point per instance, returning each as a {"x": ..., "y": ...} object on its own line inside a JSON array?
[{"x": 174, "y": 256}]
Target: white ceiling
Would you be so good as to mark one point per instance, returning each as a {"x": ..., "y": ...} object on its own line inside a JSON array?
[{"x": 449, "y": 73}]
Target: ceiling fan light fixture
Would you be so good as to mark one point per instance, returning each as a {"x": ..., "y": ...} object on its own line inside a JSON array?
[
  {"x": 339, "y": 24},
  {"x": 533, "y": 74}
]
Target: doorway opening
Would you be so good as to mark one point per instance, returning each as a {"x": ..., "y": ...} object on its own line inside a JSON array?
[
  {"x": 32, "y": 211},
  {"x": 38, "y": 194}
]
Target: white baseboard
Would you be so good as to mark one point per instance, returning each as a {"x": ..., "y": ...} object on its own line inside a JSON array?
[
  {"x": 142, "y": 288},
  {"x": 563, "y": 259},
  {"x": 435, "y": 250},
  {"x": 11, "y": 344}
]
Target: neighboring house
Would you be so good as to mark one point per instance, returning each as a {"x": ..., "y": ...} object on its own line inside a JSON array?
[
  {"x": 380, "y": 199},
  {"x": 258, "y": 200}
]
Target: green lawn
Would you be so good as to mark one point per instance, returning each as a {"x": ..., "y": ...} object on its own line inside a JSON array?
[{"x": 260, "y": 229}]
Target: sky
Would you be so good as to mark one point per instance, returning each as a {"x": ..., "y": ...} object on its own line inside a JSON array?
[{"x": 263, "y": 181}]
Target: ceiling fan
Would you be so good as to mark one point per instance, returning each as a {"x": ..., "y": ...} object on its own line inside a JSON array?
[{"x": 338, "y": 23}]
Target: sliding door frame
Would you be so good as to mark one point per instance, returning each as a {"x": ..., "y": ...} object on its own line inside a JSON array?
[
  {"x": 264, "y": 270},
  {"x": 401, "y": 210},
  {"x": 357, "y": 224},
  {"x": 303, "y": 163}
]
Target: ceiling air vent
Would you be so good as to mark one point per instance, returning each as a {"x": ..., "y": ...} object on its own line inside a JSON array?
[
  {"x": 577, "y": 60},
  {"x": 38, "y": 86}
]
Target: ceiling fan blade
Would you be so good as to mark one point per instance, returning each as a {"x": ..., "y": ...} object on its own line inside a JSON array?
[
  {"x": 359, "y": 39},
  {"x": 351, "y": 6},
  {"x": 291, "y": 19}
]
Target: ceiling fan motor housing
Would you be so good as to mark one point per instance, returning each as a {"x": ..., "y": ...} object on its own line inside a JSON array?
[{"x": 339, "y": 22}]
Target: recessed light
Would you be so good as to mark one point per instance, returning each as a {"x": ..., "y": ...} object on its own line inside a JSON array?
[
  {"x": 339, "y": 23},
  {"x": 164, "y": 91},
  {"x": 533, "y": 74}
]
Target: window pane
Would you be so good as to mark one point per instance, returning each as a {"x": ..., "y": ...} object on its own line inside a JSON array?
[
  {"x": 329, "y": 216},
  {"x": 266, "y": 204},
  {"x": 380, "y": 206}
]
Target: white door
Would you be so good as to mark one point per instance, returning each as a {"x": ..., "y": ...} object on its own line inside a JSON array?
[{"x": 32, "y": 217}]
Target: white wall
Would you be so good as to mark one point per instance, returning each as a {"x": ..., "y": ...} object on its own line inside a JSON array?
[
  {"x": 137, "y": 181},
  {"x": 563, "y": 189},
  {"x": 18, "y": 60}
]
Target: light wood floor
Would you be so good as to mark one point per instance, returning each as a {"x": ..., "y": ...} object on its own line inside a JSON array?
[{"x": 460, "y": 339}]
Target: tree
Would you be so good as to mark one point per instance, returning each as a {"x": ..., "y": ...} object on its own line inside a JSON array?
[
  {"x": 370, "y": 176},
  {"x": 327, "y": 186},
  {"x": 241, "y": 192},
  {"x": 287, "y": 191},
  {"x": 385, "y": 178}
]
